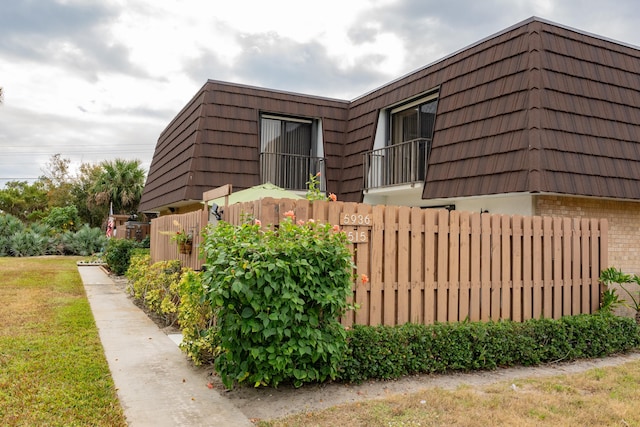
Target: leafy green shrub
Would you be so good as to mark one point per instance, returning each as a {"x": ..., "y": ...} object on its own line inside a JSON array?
[
  {"x": 146, "y": 242},
  {"x": 28, "y": 243},
  {"x": 176, "y": 294},
  {"x": 137, "y": 272},
  {"x": 9, "y": 225},
  {"x": 62, "y": 219},
  {"x": 117, "y": 255},
  {"x": 385, "y": 352},
  {"x": 277, "y": 296},
  {"x": 156, "y": 285},
  {"x": 50, "y": 238},
  {"x": 200, "y": 335},
  {"x": 613, "y": 275},
  {"x": 18, "y": 240},
  {"x": 86, "y": 241}
]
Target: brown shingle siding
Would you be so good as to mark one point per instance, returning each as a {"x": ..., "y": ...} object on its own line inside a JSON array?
[
  {"x": 218, "y": 132},
  {"x": 536, "y": 108}
]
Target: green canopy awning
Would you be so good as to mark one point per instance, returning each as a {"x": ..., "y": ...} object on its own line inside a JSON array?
[{"x": 256, "y": 193}]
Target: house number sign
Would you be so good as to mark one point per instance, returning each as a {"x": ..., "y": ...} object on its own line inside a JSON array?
[{"x": 356, "y": 226}]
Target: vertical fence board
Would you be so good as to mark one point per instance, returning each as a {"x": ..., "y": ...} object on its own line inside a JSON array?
[
  {"x": 537, "y": 267},
  {"x": 430, "y": 259},
  {"x": 454, "y": 267},
  {"x": 390, "y": 264},
  {"x": 547, "y": 269},
  {"x": 527, "y": 268},
  {"x": 516, "y": 265},
  {"x": 377, "y": 250},
  {"x": 465, "y": 263},
  {"x": 475, "y": 278},
  {"x": 575, "y": 268},
  {"x": 403, "y": 264},
  {"x": 604, "y": 243},
  {"x": 347, "y": 208},
  {"x": 506, "y": 279},
  {"x": 557, "y": 268},
  {"x": 584, "y": 252},
  {"x": 496, "y": 280},
  {"x": 595, "y": 264},
  {"x": 268, "y": 212},
  {"x": 442, "y": 273},
  {"x": 566, "y": 267},
  {"x": 485, "y": 268},
  {"x": 362, "y": 267},
  {"x": 417, "y": 255},
  {"x": 304, "y": 209}
]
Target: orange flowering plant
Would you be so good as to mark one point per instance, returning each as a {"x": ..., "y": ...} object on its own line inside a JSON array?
[
  {"x": 278, "y": 295},
  {"x": 314, "y": 193}
]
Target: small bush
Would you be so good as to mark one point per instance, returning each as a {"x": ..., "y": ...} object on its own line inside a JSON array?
[
  {"x": 9, "y": 226},
  {"x": 385, "y": 352},
  {"x": 28, "y": 243},
  {"x": 84, "y": 242},
  {"x": 62, "y": 219},
  {"x": 200, "y": 336},
  {"x": 137, "y": 272},
  {"x": 118, "y": 255},
  {"x": 277, "y": 297},
  {"x": 155, "y": 286},
  {"x": 146, "y": 242},
  {"x": 176, "y": 294}
]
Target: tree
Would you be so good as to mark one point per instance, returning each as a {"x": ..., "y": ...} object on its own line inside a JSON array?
[
  {"x": 57, "y": 181},
  {"x": 89, "y": 211},
  {"x": 121, "y": 183},
  {"x": 27, "y": 202}
]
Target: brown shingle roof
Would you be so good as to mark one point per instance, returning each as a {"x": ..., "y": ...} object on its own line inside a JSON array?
[
  {"x": 535, "y": 108},
  {"x": 214, "y": 141}
]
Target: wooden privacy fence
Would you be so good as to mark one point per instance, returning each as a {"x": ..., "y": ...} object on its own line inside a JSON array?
[
  {"x": 162, "y": 248},
  {"x": 428, "y": 265}
]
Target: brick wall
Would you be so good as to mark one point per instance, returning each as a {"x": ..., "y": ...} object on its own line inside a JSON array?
[{"x": 624, "y": 224}]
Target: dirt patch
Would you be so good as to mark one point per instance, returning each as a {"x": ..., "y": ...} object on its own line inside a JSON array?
[{"x": 268, "y": 403}]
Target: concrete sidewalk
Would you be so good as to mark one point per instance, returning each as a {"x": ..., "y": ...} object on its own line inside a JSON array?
[{"x": 156, "y": 384}]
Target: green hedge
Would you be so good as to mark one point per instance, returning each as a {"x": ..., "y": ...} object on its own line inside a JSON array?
[
  {"x": 385, "y": 352},
  {"x": 277, "y": 296},
  {"x": 118, "y": 254}
]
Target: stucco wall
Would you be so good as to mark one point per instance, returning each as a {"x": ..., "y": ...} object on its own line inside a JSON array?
[{"x": 624, "y": 224}]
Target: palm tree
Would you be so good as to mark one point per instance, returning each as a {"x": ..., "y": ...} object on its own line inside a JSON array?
[{"x": 121, "y": 183}]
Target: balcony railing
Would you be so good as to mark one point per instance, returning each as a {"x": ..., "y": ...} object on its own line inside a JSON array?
[
  {"x": 403, "y": 163},
  {"x": 290, "y": 171}
]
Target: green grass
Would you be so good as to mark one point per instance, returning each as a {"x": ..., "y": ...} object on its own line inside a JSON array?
[
  {"x": 593, "y": 398},
  {"x": 52, "y": 367}
]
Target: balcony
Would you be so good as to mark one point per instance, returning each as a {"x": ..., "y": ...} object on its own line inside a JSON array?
[
  {"x": 290, "y": 171},
  {"x": 404, "y": 163}
]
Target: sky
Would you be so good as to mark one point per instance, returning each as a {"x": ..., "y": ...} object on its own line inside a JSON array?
[{"x": 95, "y": 80}]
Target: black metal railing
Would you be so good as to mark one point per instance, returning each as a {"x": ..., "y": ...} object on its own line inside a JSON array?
[
  {"x": 291, "y": 171},
  {"x": 403, "y": 163}
]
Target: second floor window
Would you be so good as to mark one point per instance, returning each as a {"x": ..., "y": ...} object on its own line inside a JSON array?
[
  {"x": 289, "y": 151},
  {"x": 414, "y": 121}
]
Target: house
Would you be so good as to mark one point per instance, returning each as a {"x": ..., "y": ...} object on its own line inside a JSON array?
[{"x": 539, "y": 119}]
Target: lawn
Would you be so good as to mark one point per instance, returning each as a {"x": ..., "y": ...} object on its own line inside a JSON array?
[
  {"x": 597, "y": 397},
  {"x": 53, "y": 372},
  {"x": 52, "y": 366}
]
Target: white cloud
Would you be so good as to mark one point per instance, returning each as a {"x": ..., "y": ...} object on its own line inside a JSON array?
[{"x": 97, "y": 80}]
